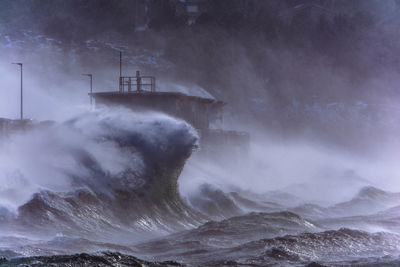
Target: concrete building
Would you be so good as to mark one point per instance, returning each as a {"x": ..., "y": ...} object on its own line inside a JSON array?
[{"x": 139, "y": 94}]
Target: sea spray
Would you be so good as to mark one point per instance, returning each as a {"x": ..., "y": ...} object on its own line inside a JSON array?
[{"x": 102, "y": 174}]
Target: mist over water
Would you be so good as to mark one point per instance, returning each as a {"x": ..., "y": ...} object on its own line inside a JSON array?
[
  {"x": 313, "y": 172},
  {"x": 46, "y": 158},
  {"x": 317, "y": 93}
]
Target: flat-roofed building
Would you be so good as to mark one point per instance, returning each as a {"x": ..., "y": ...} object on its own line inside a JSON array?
[{"x": 139, "y": 93}]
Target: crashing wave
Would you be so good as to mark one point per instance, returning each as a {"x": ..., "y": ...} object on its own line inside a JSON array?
[{"x": 101, "y": 175}]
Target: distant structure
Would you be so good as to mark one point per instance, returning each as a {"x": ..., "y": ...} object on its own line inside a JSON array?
[
  {"x": 190, "y": 9},
  {"x": 314, "y": 10},
  {"x": 9, "y": 127},
  {"x": 139, "y": 93},
  {"x": 141, "y": 15}
]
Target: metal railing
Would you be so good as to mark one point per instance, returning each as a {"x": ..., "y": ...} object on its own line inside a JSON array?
[{"x": 137, "y": 83}]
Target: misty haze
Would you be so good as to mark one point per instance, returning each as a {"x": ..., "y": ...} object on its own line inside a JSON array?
[{"x": 199, "y": 132}]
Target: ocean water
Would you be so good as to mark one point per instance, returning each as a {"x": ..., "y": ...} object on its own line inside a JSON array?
[{"x": 101, "y": 189}]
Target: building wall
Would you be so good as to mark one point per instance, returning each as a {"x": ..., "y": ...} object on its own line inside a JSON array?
[{"x": 196, "y": 113}]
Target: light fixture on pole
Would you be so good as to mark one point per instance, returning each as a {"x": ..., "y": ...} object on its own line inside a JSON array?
[
  {"x": 22, "y": 95},
  {"x": 91, "y": 86}
]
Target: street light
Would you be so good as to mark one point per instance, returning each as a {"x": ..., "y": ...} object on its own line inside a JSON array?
[
  {"x": 91, "y": 84},
  {"x": 22, "y": 96}
]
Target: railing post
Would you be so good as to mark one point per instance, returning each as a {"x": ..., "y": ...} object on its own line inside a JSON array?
[
  {"x": 138, "y": 81},
  {"x": 153, "y": 84}
]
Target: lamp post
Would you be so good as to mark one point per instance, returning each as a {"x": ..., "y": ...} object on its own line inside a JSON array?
[
  {"x": 91, "y": 86},
  {"x": 22, "y": 95}
]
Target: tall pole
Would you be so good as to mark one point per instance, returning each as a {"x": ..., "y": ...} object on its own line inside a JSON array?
[
  {"x": 22, "y": 94},
  {"x": 120, "y": 64},
  {"x": 91, "y": 87},
  {"x": 120, "y": 71}
]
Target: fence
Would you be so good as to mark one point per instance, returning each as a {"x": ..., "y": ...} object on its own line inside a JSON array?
[{"x": 137, "y": 83}]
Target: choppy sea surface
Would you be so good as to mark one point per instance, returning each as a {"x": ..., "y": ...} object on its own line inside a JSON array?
[{"x": 102, "y": 190}]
